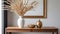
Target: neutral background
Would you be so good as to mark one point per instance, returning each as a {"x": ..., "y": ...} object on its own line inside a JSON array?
[
  {"x": 53, "y": 17},
  {"x": 0, "y": 18}
]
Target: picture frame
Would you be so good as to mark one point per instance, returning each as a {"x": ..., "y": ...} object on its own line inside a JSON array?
[
  {"x": 41, "y": 10},
  {"x": 39, "y": 16}
]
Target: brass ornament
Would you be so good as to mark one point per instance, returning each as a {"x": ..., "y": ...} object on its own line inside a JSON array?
[{"x": 39, "y": 24}]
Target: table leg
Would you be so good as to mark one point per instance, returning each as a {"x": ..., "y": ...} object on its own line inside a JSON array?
[
  {"x": 56, "y": 32},
  {"x": 5, "y": 31},
  {"x": 52, "y": 32}
]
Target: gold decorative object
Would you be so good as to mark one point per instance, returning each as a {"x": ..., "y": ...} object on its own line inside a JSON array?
[
  {"x": 31, "y": 26},
  {"x": 39, "y": 24}
]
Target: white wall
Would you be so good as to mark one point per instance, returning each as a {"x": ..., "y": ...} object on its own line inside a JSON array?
[
  {"x": 53, "y": 17},
  {"x": 1, "y": 26}
]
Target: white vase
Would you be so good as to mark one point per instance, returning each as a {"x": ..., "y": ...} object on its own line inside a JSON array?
[{"x": 20, "y": 22}]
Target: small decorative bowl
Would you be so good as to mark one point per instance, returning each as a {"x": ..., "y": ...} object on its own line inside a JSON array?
[{"x": 31, "y": 26}]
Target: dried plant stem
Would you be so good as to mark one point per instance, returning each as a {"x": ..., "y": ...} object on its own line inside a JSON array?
[{"x": 20, "y": 7}]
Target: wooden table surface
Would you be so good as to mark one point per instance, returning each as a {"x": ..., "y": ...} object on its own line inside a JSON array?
[
  {"x": 31, "y": 28},
  {"x": 43, "y": 29}
]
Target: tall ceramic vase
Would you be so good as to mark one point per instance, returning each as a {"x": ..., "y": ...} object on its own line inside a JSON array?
[{"x": 20, "y": 22}]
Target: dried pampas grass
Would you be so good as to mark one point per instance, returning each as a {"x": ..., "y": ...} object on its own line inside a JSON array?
[{"x": 20, "y": 7}]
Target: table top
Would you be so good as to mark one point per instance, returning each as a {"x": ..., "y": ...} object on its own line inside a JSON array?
[
  {"x": 43, "y": 29},
  {"x": 31, "y": 28}
]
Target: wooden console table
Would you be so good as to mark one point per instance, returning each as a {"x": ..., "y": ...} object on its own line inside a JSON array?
[{"x": 43, "y": 29}]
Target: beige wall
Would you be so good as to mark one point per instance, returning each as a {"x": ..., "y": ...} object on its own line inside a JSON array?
[{"x": 53, "y": 17}]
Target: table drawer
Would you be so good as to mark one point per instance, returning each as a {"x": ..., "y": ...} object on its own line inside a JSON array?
[{"x": 21, "y": 30}]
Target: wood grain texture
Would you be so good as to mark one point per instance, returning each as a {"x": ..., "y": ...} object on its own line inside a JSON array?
[{"x": 43, "y": 29}]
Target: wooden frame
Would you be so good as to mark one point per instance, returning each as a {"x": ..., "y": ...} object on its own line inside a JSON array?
[
  {"x": 39, "y": 16},
  {"x": 44, "y": 11}
]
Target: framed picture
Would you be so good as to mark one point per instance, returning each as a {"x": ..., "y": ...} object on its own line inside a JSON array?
[{"x": 39, "y": 11}]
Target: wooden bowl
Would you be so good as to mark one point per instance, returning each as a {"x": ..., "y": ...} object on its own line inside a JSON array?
[{"x": 31, "y": 26}]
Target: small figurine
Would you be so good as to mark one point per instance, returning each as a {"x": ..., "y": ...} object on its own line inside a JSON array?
[{"x": 39, "y": 24}]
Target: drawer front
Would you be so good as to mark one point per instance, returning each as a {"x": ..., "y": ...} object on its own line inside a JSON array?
[
  {"x": 39, "y": 30},
  {"x": 21, "y": 30},
  {"x": 35, "y": 30}
]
